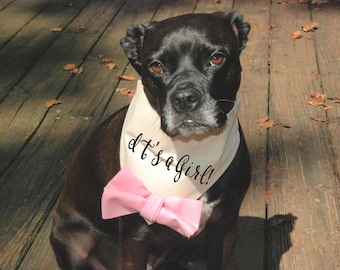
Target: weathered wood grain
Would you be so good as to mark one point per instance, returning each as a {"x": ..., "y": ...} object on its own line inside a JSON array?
[
  {"x": 254, "y": 94},
  {"x": 31, "y": 78},
  {"x": 302, "y": 182},
  {"x": 15, "y": 15}
]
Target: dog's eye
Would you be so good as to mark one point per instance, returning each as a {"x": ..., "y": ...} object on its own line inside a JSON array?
[
  {"x": 156, "y": 67},
  {"x": 216, "y": 59}
]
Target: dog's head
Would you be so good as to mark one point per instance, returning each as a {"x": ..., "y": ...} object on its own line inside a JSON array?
[{"x": 190, "y": 68}]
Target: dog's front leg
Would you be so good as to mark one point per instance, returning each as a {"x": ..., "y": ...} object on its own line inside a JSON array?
[
  {"x": 218, "y": 249},
  {"x": 134, "y": 243}
]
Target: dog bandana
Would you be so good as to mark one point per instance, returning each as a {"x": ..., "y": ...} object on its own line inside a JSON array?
[{"x": 174, "y": 167}]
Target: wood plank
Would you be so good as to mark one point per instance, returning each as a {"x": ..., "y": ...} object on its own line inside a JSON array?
[
  {"x": 327, "y": 42},
  {"x": 249, "y": 250},
  {"x": 302, "y": 207},
  {"x": 327, "y": 47}
]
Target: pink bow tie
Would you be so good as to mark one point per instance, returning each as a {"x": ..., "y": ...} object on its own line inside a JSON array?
[{"x": 125, "y": 194}]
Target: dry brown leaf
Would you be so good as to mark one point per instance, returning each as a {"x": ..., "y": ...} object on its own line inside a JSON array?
[
  {"x": 51, "y": 102},
  {"x": 265, "y": 122},
  {"x": 72, "y": 68},
  {"x": 106, "y": 60},
  {"x": 318, "y": 119},
  {"x": 254, "y": 26},
  {"x": 335, "y": 99},
  {"x": 266, "y": 196},
  {"x": 295, "y": 35},
  {"x": 126, "y": 92},
  {"x": 77, "y": 70},
  {"x": 69, "y": 67},
  {"x": 318, "y": 99},
  {"x": 271, "y": 26},
  {"x": 56, "y": 29},
  {"x": 284, "y": 125},
  {"x": 111, "y": 66},
  {"x": 81, "y": 27},
  {"x": 310, "y": 27},
  {"x": 314, "y": 101},
  {"x": 127, "y": 78}
]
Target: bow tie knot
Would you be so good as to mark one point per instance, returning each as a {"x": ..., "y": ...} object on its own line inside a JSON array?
[
  {"x": 125, "y": 194},
  {"x": 152, "y": 207}
]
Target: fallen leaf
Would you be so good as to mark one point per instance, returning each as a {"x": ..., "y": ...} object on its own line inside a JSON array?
[
  {"x": 295, "y": 35},
  {"x": 317, "y": 119},
  {"x": 127, "y": 78},
  {"x": 266, "y": 196},
  {"x": 69, "y": 67},
  {"x": 126, "y": 92},
  {"x": 265, "y": 122},
  {"x": 271, "y": 26},
  {"x": 314, "y": 101},
  {"x": 72, "y": 68},
  {"x": 51, "y": 102},
  {"x": 105, "y": 60},
  {"x": 77, "y": 70},
  {"x": 58, "y": 111},
  {"x": 81, "y": 27},
  {"x": 56, "y": 29},
  {"x": 318, "y": 99},
  {"x": 335, "y": 99},
  {"x": 111, "y": 66},
  {"x": 310, "y": 27},
  {"x": 316, "y": 9},
  {"x": 284, "y": 125}
]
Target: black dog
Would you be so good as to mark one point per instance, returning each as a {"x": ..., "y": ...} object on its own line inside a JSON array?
[{"x": 190, "y": 70}]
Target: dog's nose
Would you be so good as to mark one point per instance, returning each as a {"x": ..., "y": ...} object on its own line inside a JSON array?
[{"x": 185, "y": 100}]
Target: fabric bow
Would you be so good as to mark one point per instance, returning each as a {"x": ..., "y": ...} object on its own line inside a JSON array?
[{"x": 125, "y": 194}]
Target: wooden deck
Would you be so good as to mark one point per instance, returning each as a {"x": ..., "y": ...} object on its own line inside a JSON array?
[{"x": 290, "y": 217}]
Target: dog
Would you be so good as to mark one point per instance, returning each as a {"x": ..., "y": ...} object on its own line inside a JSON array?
[{"x": 190, "y": 71}]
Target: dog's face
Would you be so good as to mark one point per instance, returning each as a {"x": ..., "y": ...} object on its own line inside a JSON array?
[{"x": 190, "y": 68}]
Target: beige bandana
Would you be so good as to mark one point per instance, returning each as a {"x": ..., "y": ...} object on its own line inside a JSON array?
[{"x": 175, "y": 166}]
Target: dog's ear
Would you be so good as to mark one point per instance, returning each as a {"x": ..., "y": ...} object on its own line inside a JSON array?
[
  {"x": 240, "y": 28},
  {"x": 133, "y": 43}
]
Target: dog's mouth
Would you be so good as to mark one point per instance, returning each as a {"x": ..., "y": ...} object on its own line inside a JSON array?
[{"x": 190, "y": 127}]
